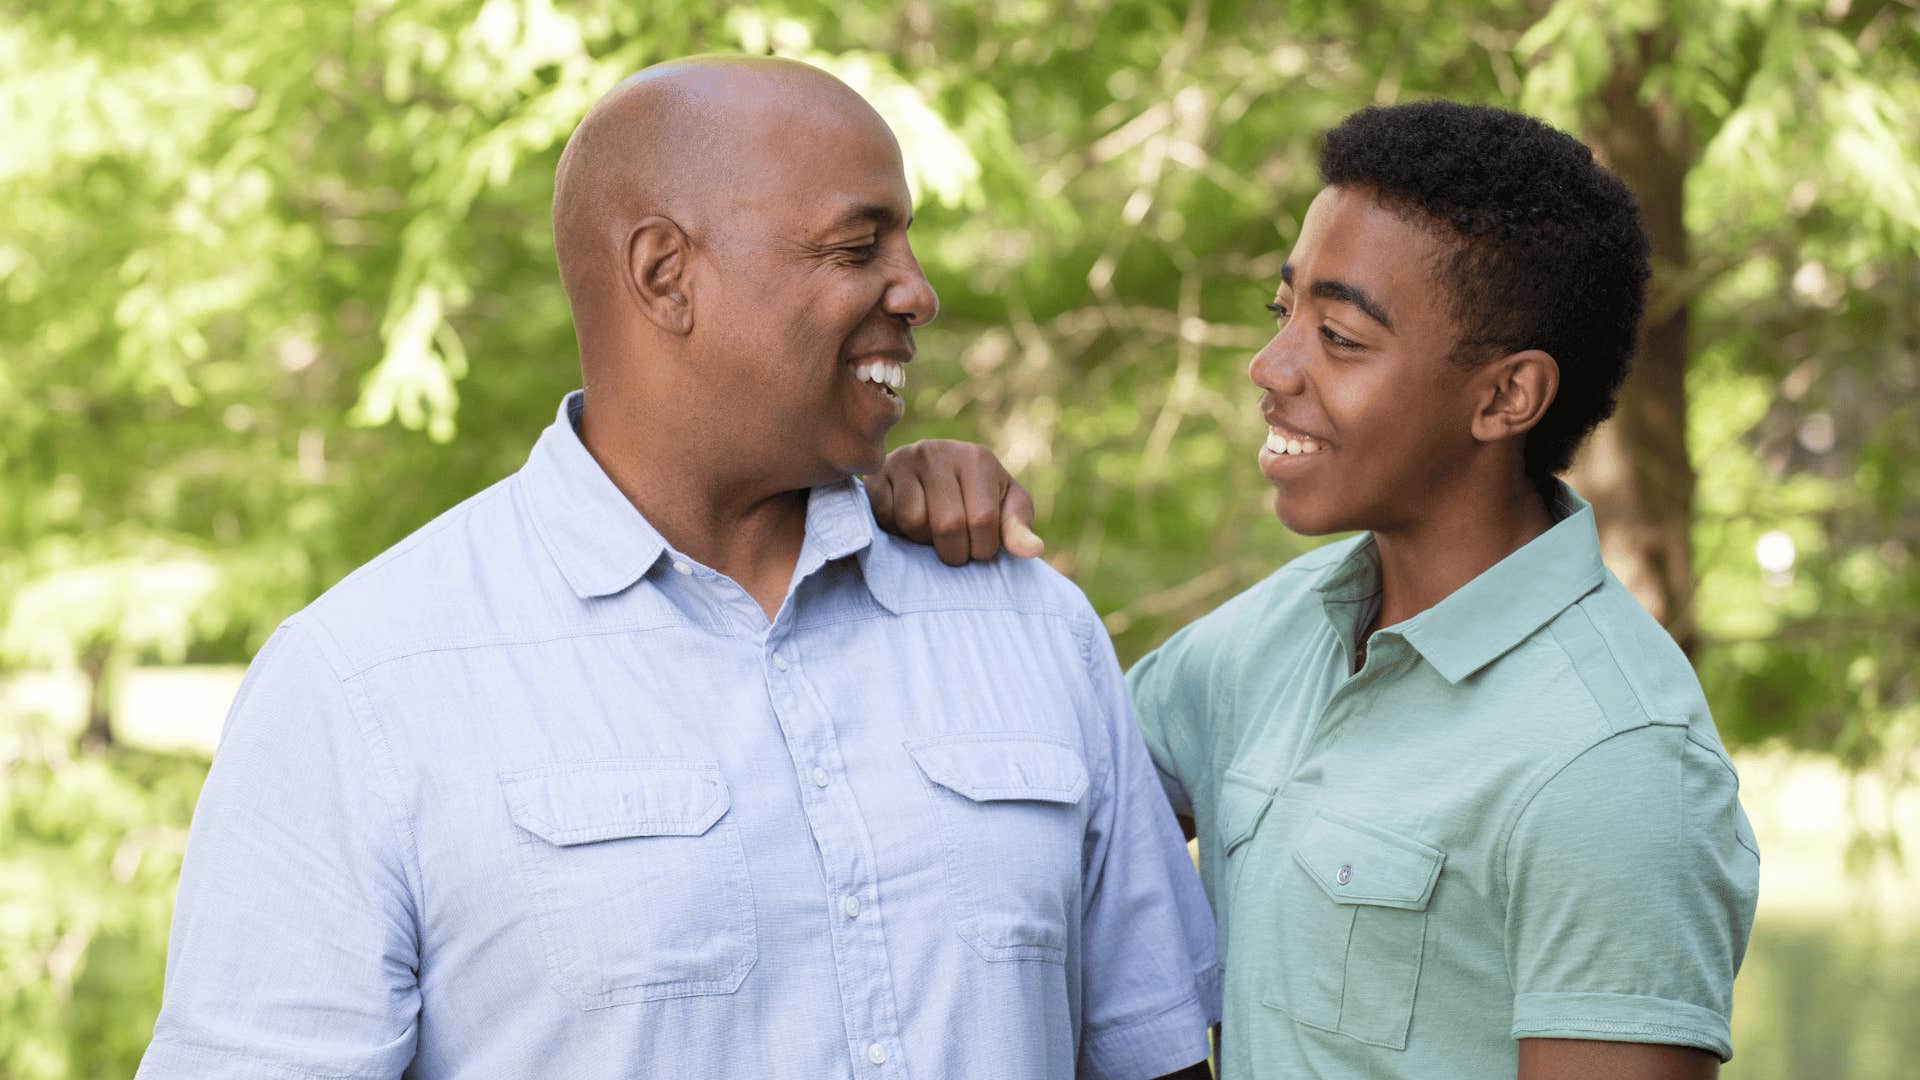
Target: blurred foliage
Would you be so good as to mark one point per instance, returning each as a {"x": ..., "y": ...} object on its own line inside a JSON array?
[
  {"x": 90, "y": 851},
  {"x": 278, "y": 288}
]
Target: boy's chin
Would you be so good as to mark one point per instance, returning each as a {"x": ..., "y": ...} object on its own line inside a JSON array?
[{"x": 1300, "y": 516}]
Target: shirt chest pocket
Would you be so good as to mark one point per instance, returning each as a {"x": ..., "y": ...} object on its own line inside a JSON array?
[
  {"x": 1008, "y": 808},
  {"x": 1354, "y": 901},
  {"x": 637, "y": 879}
]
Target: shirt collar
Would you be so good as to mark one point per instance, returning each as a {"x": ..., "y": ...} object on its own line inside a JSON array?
[
  {"x": 602, "y": 544},
  {"x": 1485, "y": 618}
]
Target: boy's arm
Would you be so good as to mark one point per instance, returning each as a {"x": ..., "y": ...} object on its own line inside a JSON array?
[{"x": 1584, "y": 1059}]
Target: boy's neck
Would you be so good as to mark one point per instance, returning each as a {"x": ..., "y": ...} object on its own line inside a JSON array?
[{"x": 1426, "y": 561}]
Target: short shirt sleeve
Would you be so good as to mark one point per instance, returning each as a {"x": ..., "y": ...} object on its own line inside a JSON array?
[
  {"x": 1169, "y": 689},
  {"x": 1151, "y": 975},
  {"x": 1632, "y": 879},
  {"x": 295, "y": 945}
]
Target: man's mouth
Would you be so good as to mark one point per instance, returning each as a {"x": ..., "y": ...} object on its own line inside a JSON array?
[
  {"x": 1287, "y": 442},
  {"x": 889, "y": 377}
]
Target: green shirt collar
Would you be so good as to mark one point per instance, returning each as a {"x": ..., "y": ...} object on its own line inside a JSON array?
[{"x": 1494, "y": 612}]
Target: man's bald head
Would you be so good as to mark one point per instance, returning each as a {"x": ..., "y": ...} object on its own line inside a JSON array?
[
  {"x": 732, "y": 234},
  {"x": 690, "y": 140}
]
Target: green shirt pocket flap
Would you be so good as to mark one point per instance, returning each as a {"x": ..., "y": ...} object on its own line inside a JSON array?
[
  {"x": 586, "y": 802},
  {"x": 1002, "y": 767},
  {"x": 1358, "y": 863},
  {"x": 1241, "y": 806}
]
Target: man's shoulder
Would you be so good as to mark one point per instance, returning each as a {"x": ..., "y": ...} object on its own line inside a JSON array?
[
  {"x": 917, "y": 581},
  {"x": 450, "y": 579}
]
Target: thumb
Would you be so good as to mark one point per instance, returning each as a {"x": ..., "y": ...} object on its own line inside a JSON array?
[{"x": 1016, "y": 524}]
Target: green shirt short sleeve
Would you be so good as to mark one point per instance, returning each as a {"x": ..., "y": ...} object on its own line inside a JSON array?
[
  {"x": 1631, "y": 874},
  {"x": 1171, "y": 700}
]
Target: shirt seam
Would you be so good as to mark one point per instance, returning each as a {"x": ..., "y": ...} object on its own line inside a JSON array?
[
  {"x": 1105, "y": 779},
  {"x": 1526, "y": 803},
  {"x": 511, "y": 640},
  {"x": 445, "y": 521},
  {"x": 1578, "y": 1023},
  {"x": 223, "y": 1052},
  {"x": 1720, "y": 756},
  {"x": 370, "y": 730},
  {"x": 1513, "y": 826},
  {"x": 1142, "y": 1019}
]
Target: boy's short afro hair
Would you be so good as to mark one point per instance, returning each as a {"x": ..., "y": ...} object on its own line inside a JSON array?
[{"x": 1548, "y": 251}]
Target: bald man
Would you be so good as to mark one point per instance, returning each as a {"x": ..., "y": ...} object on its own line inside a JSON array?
[{"x": 656, "y": 759}]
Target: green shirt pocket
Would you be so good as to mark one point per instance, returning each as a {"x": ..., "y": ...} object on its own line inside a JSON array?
[{"x": 1355, "y": 900}]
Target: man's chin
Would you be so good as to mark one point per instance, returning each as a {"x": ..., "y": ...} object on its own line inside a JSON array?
[{"x": 859, "y": 459}]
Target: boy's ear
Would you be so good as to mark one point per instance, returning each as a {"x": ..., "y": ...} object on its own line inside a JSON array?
[
  {"x": 1516, "y": 390},
  {"x": 657, "y": 280}
]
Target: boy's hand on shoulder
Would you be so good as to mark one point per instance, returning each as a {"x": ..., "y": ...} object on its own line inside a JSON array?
[{"x": 957, "y": 497}]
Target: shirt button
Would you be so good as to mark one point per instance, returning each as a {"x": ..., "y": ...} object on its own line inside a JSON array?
[
  {"x": 851, "y": 905},
  {"x": 682, "y": 568},
  {"x": 877, "y": 1054},
  {"x": 1344, "y": 875},
  {"x": 779, "y": 661},
  {"x": 819, "y": 777}
]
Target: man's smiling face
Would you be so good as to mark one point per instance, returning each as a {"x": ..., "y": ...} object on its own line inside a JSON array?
[
  {"x": 818, "y": 292},
  {"x": 1368, "y": 415}
]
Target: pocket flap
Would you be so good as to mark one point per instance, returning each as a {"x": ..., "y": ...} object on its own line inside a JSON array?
[
  {"x": 584, "y": 802},
  {"x": 1000, "y": 767},
  {"x": 1243, "y": 803},
  {"x": 1358, "y": 863}
]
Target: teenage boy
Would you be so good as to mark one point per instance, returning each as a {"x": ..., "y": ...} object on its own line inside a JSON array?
[{"x": 1462, "y": 810}]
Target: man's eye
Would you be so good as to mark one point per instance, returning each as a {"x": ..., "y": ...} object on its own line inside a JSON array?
[
  {"x": 1280, "y": 311},
  {"x": 861, "y": 253}
]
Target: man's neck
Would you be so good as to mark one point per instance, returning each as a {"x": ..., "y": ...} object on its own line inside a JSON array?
[
  {"x": 736, "y": 524},
  {"x": 1425, "y": 561}
]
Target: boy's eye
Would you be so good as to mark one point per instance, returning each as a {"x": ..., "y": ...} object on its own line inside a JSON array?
[
  {"x": 1336, "y": 340},
  {"x": 1279, "y": 310}
]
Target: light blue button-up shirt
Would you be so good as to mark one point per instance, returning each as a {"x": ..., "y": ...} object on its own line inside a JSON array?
[{"x": 532, "y": 794}]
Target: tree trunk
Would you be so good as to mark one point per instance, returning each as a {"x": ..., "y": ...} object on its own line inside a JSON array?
[
  {"x": 96, "y": 663},
  {"x": 1636, "y": 471}
]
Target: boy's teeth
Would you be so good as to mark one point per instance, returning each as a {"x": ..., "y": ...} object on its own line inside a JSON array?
[{"x": 1282, "y": 444}]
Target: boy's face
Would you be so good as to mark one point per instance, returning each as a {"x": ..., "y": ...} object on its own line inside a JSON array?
[{"x": 1369, "y": 416}]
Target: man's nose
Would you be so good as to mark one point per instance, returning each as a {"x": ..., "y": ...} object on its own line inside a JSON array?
[
  {"x": 910, "y": 295},
  {"x": 1277, "y": 366}
]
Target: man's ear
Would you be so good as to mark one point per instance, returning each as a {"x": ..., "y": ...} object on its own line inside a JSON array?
[
  {"x": 658, "y": 253},
  {"x": 1516, "y": 390}
]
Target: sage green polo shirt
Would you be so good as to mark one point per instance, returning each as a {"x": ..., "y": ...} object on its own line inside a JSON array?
[{"x": 1515, "y": 821}]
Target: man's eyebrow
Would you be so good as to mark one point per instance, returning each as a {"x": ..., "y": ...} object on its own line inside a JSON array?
[{"x": 873, "y": 214}]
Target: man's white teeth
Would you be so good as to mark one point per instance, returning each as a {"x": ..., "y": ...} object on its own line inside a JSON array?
[
  {"x": 882, "y": 373},
  {"x": 1279, "y": 443}
]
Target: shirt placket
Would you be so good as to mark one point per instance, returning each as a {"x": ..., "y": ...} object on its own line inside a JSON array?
[{"x": 846, "y": 861}]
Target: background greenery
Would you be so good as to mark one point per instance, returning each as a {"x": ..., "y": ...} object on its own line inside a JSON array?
[{"x": 276, "y": 287}]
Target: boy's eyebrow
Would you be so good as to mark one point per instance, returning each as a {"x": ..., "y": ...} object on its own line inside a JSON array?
[{"x": 1341, "y": 292}]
